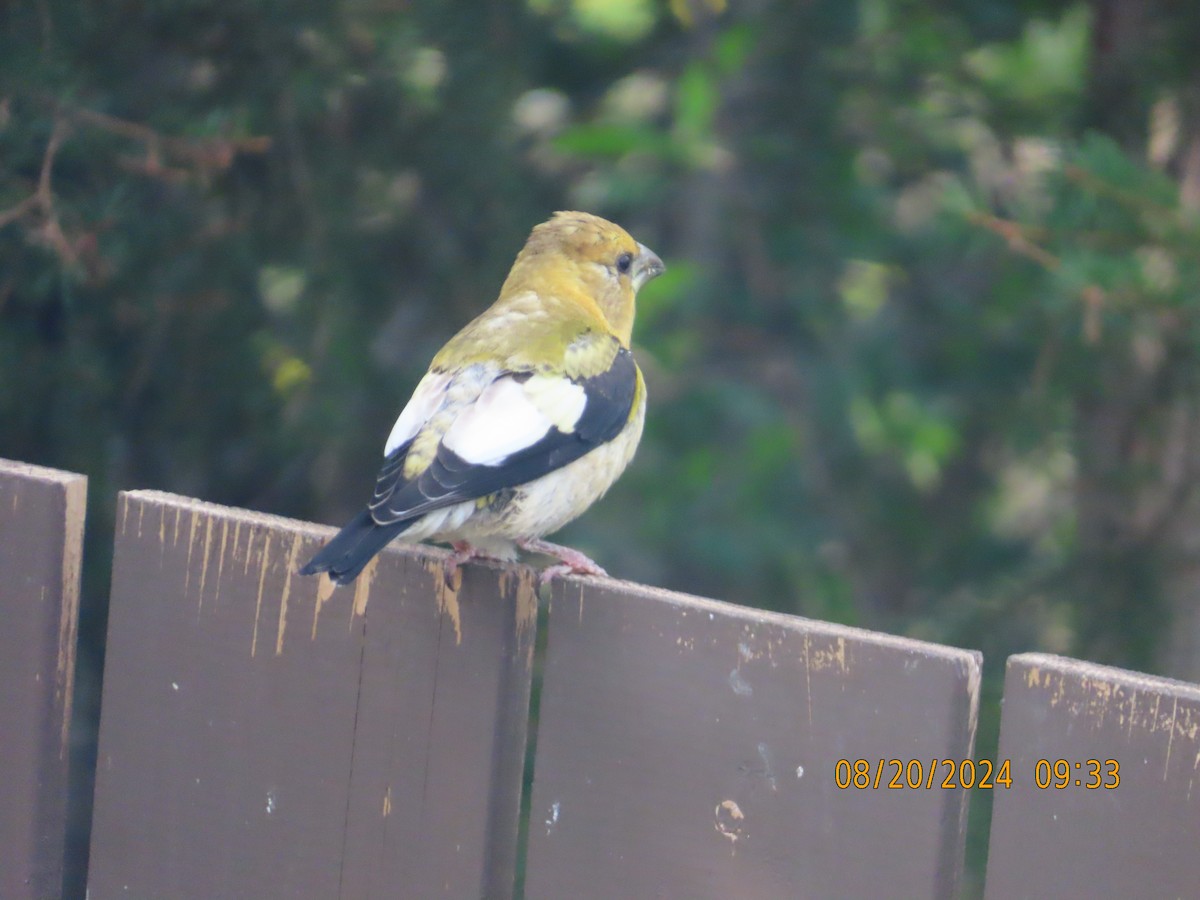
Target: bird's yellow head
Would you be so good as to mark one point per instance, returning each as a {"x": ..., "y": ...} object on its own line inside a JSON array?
[{"x": 577, "y": 253}]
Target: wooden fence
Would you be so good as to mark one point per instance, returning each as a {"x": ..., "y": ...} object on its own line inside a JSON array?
[{"x": 265, "y": 735}]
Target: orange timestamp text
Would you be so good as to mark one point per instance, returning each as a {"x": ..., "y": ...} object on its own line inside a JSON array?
[{"x": 982, "y": 774}]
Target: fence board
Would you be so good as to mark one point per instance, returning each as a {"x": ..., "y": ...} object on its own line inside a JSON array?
[
  {"x": 266, "y": 735},
  {"x": 41, "y": 545},
  {"x": 1139, "y": 839},
  {"x": 687, "y": 748}
]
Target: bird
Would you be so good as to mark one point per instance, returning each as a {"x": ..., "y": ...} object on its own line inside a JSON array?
[{"x": 525, "y": 417}]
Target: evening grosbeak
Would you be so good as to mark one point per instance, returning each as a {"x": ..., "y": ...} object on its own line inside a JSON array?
[{"x": 525, "y": 418}]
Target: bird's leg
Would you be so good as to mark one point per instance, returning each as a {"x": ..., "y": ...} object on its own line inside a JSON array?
[
  {"x": 463, "y": 552},
  {"x": 573, "y": 562}
]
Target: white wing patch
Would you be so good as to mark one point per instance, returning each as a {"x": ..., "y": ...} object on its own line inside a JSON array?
[
  {"x": 511, "y": 415},
  {"x": 559, "y": 399},
  {"x": 425, "y": 401}
]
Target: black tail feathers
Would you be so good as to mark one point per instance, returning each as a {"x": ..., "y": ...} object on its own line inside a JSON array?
[{"x": 352, "y": 548}]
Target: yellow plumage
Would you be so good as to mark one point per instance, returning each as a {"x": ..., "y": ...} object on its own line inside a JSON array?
[{"x": 527, "y": 415}]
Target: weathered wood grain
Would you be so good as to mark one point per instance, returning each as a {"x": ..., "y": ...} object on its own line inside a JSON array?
[
  {"x": 1139, "y": 839},
  {"x": 41, "y": 547},
  {"x": 687, "y": 748},
  {"x": 266, "y": 735}
]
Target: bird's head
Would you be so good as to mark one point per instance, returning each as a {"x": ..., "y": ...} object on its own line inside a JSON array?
[{"x": 577, "y": 252}]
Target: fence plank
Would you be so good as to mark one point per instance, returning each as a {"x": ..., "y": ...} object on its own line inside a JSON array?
[
  {"x": 1139, "y": 839},
  {"x": 266, "y": 735},
  {"x": 41, "y": 546},
  {"x": 688, "y": 748}
]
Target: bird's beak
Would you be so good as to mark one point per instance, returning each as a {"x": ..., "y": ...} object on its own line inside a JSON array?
[{"x": 649, "y": 266}]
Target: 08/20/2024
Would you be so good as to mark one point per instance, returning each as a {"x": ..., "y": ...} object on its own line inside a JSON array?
[{"x": 950, "y": 774}]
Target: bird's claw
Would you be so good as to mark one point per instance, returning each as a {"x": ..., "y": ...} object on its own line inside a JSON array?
[
  {"x": 551, "y": 572},
  {"x": 572, "y": 562}
]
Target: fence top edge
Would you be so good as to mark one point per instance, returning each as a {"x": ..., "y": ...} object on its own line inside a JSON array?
[
  {"x": 167, "y": 500},
  {"x": 40, "y": 473},
  {"x": 970, "y": 660},
  {"x": 253, "y": 516},
  {"x": 1082, "y": 669}
]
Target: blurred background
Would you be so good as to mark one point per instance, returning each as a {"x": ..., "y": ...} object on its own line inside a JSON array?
[{"x": 925, "y": 359}]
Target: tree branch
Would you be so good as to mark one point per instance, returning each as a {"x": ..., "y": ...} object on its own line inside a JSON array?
[{"x": 1017, "y": 238}]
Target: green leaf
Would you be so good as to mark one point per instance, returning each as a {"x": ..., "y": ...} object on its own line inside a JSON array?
[
  {"x": 1047, "y": 64},
  {"x": 732, "y": 49},
  {"x": 695, "y": 102},
  {"x": 610, "y": 141},
  {"x": 864, "y": 288}
]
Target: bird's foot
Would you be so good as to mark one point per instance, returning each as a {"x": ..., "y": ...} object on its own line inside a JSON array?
[{"x": 572, "y": 561}]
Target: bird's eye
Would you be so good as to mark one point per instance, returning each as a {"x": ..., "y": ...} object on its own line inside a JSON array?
[{"x": 624, "y": 261}]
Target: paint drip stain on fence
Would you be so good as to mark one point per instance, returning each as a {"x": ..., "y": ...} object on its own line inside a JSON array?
[
  {"x": 221, "y": 556},
  {"x": 287, "y": 590},
  {"x": 447, "y": 595},
  {"x": 187, "y": 572},
  {"x": 262, "y": 577},
  {"x": 208, "y": 531},
  {"x": 526, "y": 596},
  {"x": 362, "y": 591},
  {"x": 325, "y": 588}
]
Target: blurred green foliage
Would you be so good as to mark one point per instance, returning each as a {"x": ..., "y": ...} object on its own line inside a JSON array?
[{"x": 924, "y": 359}]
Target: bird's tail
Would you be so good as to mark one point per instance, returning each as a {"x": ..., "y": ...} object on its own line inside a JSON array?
[{"x": 352, "y": 548}]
